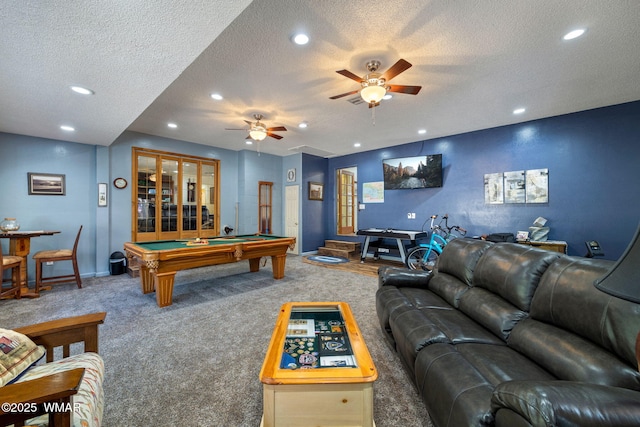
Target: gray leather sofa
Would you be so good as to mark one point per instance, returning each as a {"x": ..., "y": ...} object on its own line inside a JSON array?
[{"x": 510, "y": 335}]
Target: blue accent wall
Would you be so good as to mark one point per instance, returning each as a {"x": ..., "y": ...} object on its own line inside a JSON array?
[
  {"x": 314, "y": 212},
  {"x": 594, "y": 184}
]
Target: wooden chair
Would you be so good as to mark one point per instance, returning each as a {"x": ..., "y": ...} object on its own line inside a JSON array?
[
  {"x": 10, "y": 262},
  {"x": 56, "y": 255},
  {"x": 58, "y": 388}
]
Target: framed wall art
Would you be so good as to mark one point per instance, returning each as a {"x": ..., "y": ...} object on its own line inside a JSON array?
[
  {"x": 46, "y": 184},
  {"x": 102, "y": 194},
  {"x": 316, "y": 190}
]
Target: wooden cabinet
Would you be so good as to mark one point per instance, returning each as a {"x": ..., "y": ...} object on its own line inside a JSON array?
[
  {"x": 174, "y": 196},
  {"x": 550, "y": 245}
]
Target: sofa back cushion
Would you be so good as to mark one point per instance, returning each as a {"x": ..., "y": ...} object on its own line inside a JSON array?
[
  {"x": 460, "y": 256},
  {"x": 455, "y": 267},
  {"x": 571, "y": 357},
  {"x": 513, "y": 271},
  {"x": 567, "y": 298}
]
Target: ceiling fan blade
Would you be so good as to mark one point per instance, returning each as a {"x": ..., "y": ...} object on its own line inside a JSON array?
[
  {"x": 277, "y": 129},
  {"x": 344, "y": 94},
  {"x": 273, "y": 135},
  {"x": 396, "y": 69},
  {"x": 409, "y": 90},
  {"x": 248, "y": 122},
  {"x": 350, "y": 75}
]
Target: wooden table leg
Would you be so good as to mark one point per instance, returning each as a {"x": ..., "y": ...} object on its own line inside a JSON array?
[
  {"x": 254, "y": 264},
  {"x": 146, "y": 279},
  {"x": 277, "y": 263},
  {"x": 20, "y": 246},
  {"x": 164, "y": 288}
]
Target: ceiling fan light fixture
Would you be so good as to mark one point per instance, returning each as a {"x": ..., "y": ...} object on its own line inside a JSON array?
[
  {"x": 258, "y": 133},
  {"x": 373, "y": 93}
]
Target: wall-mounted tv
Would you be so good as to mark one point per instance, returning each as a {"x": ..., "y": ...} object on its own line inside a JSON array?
[{"x": 412, "y": 172}]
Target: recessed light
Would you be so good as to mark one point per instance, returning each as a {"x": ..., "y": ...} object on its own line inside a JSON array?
[
  {"x": 387, "y": 96},
  {"x": 357, "y": 144},
  {"x": 303, "y": 125},
  {"x": 82, "y": 90},
  {"x": 172, "y": 125},
  {"x": 217, "y": 96},
  {"x": 422, "y": 131},
  {"x": 300, "y": 39},
  {"x": 67, "y": 128},
  {"x": 574, "y": 34},
  {"x": 249, "y": 142},
  {"x": 519, "y": 111}
]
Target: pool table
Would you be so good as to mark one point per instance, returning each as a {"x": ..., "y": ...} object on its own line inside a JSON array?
[{"x": 160, "y": 260}]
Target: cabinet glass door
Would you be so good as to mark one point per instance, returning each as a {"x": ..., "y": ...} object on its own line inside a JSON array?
[
  {"x": 168, "y": 190},
  {"x": 146, "y": 195}
]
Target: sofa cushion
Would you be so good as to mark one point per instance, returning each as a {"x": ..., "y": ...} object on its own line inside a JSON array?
[
  {"x": 554, "y": 403},
  {"x": 460, "y": 256},
  {"x": 466, "y": 375},
  {"x": 456, "y": 265},
  {"x": 570, "y": 357},
  {"x": 610, "y": 322},
  {"x": 513, "y": 271},
  {"x": 89, "y": 401},
  {"x": 491, "y": 311},
  {"x": 17, "y": 354}
]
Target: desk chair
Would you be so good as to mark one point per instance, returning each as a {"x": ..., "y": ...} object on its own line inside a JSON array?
[
  {"x": 56, "y": 255},
  {"x": 13, "y": 263}
]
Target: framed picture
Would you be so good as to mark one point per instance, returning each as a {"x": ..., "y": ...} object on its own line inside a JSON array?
[
  {"x": 316, "y": 190},
  {"x": 102, "y": 194},
  {"x": 46, "y": 184}
]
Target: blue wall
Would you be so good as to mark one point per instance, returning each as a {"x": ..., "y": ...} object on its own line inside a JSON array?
[
  {"x": 315, "y": 212},
  {"x": 594, "y": 184},
  {"x": 20, "y": 155}
]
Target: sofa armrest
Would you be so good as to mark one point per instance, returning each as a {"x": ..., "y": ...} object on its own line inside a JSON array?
[
  {"x": 25, "y": 400},
  {"x": 403, "y": 277},
  {"x": 554, "y": 403},
  {"x": 66, "y": 331}
]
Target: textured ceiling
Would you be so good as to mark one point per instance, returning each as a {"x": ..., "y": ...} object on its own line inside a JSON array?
[{"x": 153, "y": 62}]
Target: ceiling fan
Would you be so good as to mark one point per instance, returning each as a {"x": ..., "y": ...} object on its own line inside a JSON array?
[
  {"x": 374, "y": 84},
  {"x": 259, "y": 131}
]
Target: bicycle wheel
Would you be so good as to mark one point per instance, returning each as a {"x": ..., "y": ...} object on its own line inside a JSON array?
[{"x": 421, "y": 258}]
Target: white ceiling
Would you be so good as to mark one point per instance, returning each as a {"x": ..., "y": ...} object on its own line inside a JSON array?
[{"x": 157, "y": 61}]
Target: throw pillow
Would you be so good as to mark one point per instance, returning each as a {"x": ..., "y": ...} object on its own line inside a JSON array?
[{"x": 17, "y": 354}]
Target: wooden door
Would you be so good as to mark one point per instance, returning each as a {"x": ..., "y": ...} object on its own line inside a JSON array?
[{"x": 346, "y": 202}]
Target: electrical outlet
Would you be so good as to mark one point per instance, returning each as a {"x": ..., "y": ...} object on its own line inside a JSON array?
[{"x": 48, "y": 263}]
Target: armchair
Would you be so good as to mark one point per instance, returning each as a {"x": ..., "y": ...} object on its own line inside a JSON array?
[{"x": 46, "y": 390}]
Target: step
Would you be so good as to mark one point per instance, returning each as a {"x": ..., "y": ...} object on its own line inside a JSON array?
[
  {"x": 338, "y": 252},
  {"x": 341, "y": 244}
]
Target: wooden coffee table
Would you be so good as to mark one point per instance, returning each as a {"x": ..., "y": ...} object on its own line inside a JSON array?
[{"x": 317, "y": 370}]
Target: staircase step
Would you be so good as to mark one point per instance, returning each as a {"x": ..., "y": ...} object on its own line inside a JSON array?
[
  {"x": 338, "y": 252},
  {"x": 341, "y": 244}
]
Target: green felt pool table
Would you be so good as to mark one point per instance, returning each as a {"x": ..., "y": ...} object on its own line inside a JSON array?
[{"x": 160, "y": 260}]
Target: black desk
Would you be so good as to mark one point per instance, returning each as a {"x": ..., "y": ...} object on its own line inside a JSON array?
[{"x": 388, "y": 233}]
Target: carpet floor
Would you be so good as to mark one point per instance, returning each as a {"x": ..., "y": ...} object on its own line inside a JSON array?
[{"x": 197, "y": 362}]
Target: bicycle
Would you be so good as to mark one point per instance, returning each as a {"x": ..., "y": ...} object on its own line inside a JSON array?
[{"x": 425, "y": 255}]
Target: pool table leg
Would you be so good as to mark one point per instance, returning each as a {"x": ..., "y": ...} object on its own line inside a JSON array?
[
  {"x": 277, "y": 263},
  {"x": 146, "y": 279},
  {"x": 164, "y": 288},
  {"x": 254, "y": 264}
]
